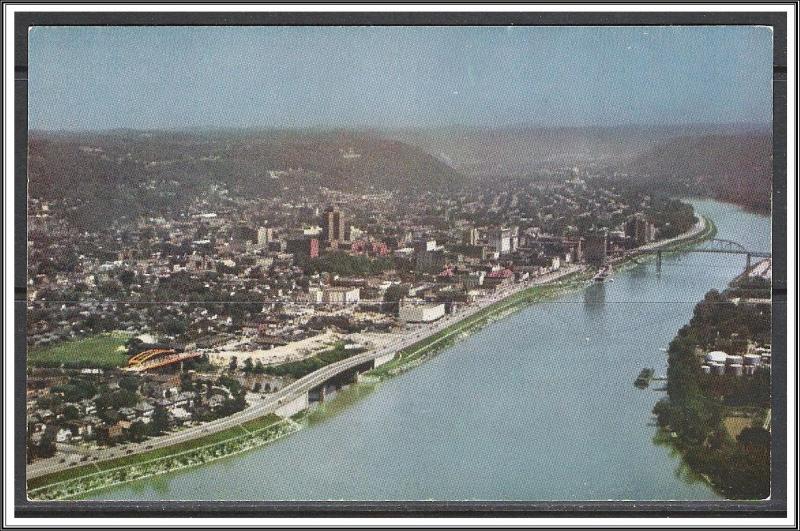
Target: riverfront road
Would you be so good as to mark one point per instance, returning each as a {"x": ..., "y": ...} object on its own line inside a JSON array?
[{"x": 273, "y": 401}]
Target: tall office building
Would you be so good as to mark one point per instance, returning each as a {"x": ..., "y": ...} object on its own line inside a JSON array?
[
  {"x": 333, "y": 225},
  {"x": 504, "y": 240},
  {"x": 471, "y": 237},
  {"x": 639, "y": 230},
  {"x": 596, "y": 248},
  {"x": 264, "y": 236}
]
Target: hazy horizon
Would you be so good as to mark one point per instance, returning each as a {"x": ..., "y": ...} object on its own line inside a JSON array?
[
  {"x": 765, "y": 127},
  {"x": 97, "y": 79}
]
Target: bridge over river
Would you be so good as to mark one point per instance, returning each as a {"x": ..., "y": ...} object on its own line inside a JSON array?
[
  {"x": 715, "y": 245},
  {"x": 297, "y": 396}
]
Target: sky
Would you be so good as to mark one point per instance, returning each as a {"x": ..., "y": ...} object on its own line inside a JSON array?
[{"x": 89, "y": 78}]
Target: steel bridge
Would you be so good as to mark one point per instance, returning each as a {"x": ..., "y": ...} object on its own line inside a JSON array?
[{"x": 716, "y": 245}]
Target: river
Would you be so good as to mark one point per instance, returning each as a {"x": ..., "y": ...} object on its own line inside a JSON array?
[{"x": 538, "y": 406}]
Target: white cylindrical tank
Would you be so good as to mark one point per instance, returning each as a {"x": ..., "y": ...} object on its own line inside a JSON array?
[
  {"x": 749, "y": 370},
  {"x": 735, "y": 369},
  {"x": 706, "y": 369},
  {"x": 717, "y": 356},
  {"x": 734, "y": 360},
  {"x": 718, "y": 368}
]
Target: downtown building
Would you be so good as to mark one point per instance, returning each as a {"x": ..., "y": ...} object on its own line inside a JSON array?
[
  {"x": 639, "y": 231},
  {"x": 333, "y": 225}
]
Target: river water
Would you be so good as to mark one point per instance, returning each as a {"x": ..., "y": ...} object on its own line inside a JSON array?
[{"x": 538, "y": 406}]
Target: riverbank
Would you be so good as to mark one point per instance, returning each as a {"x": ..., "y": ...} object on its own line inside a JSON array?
[
  {"x": 416, "y": 353},
  {"x": 696, "y": 417},
  {"x": 141, "y": 466},
  {"x": 68, "y": 482}
]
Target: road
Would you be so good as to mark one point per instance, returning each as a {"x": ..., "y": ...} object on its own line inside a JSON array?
[{"x": 273, "y": 401}]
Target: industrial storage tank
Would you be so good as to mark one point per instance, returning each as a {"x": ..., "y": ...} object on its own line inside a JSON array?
[
  {"x": 752, "y": 359},
  {"x": 706, "y": 369},
  {"x": 736, "y": 369},
  {"x": 717, "y": 368},
  {"x": 750, "y": 370},
  {"x": 735, "y": 360},
  {"x": 716, "y": 356}
]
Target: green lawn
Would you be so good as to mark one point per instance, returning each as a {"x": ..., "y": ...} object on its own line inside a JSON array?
[
  {"x": 261, "y": 422},
  {"x": 224, "y": 435},
  {"x": 96, "y": 351}
]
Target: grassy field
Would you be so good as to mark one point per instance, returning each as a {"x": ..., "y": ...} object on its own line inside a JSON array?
[
  {"x": 97, "y": 351},
  {"x": 73, "y": 473}
]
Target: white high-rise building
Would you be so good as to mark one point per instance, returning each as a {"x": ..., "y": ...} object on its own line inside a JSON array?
[{"x": 264, "y": 236}]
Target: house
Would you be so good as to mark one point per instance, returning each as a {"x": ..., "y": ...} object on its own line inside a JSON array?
[
  {"x": 88, "y": 406},
  {"x": 63, "y": 435},
  {"x": 216, "y": 401},
  {"x": 180, "y": 415},
  {"x": 144, "y": 410},
  {"x": 184, "y": 399},
  {"x": 127, "y": 413},
  {"x": 81, "y": 429},
  {"x": 110, "y": 432}
]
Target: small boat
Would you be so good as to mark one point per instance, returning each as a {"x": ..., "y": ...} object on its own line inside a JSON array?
[{"x": 644, "y": 378}]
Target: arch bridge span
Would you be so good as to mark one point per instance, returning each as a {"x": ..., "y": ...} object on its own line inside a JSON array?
[{"x": 715, "y": 245}]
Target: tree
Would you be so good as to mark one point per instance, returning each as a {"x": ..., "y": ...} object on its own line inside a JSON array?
[
  {"x": 138, "y": 431},
  {"x": 134, "y": 345},
  {"x": 160, "y": 420},
  {"x": 174, "y": 326},
  {"x": 257, "y": 387},
  {"x": 233, "y": 364},
  {"x": 756, "y": 436},
  {"x": 30, "y": 446},
  {"x": 248, "y": 365},
  {"x": 71, "y": 413},
  {"x": 47, "y": 446},
  {"x": 129, "y": 383},
  {"x": 186, "y": 382},
  {"x": 108, "y": 415},
  {"x": 116, "y": 399},
  {"x": 126, "y": 277}
]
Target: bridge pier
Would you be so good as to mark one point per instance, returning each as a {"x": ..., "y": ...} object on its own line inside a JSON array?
[
  {"x": 294, "y": 406},
  {"x": 323, "y": 392}
]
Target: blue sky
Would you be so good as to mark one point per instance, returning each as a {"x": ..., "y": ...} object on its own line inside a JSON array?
[{"x": 173, "y": 77}]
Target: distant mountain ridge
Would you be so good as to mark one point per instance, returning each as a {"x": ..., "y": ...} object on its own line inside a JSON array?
[
  {"x": 128, "y": 172},
  {"x": 734, "y": 168},
  {"x": 521, "y": 151},
  {"x": 730, "y": 162}
]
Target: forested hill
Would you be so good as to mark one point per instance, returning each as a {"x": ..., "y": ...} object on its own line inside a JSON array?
[
  {"x": 732, "y": 162},
  {"x": 735, "y": 168},
  {"x": 131, "y": 172}
]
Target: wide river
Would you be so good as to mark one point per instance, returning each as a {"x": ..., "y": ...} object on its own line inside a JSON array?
[{"x": 538, "y": 406}]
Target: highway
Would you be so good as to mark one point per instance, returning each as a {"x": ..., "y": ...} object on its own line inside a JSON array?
[{"x": 273, "y": 401}]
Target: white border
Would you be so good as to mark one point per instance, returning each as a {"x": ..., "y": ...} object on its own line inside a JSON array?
[{"x": 8, "y": 328}]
